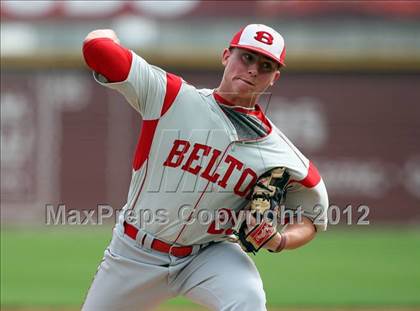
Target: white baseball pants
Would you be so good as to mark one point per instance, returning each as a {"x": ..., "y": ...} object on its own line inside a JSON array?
[{"x": 220, "y": 277}]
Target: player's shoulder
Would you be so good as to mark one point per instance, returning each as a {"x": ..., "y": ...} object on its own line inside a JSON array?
[
  {"x": 193, "y": 88},
  {"x": 190, "y": 89},
  {"x": 186, "y": 88},
  {"x": 289, "y": 153},
  {"x": 205, "y": 92}
]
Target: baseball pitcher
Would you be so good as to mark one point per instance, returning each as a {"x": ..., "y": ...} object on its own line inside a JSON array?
[{"x": 203, "y": 152}]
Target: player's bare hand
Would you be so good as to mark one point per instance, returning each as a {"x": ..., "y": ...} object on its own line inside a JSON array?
[{"x": 102, "y": 33}]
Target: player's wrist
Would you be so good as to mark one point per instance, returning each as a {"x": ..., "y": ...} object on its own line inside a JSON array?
[{"x": 279, "y": 243}]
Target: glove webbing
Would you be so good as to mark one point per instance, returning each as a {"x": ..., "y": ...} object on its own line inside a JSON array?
[{"x": 275, "y": 200}]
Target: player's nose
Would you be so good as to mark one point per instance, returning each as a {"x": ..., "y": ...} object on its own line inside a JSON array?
[{"x": 253, "y": 70}]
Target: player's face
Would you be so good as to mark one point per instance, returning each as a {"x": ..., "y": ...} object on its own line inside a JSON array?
[{"x": 248, "y": 73}]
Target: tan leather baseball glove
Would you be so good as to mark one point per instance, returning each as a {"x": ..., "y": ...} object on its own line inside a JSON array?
[{"x": 266, "y": 196}]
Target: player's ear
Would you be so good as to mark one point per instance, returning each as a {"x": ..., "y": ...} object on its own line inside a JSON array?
[
  {"x": 225, "y": 56},
  {"x": 275, "y": 78}
]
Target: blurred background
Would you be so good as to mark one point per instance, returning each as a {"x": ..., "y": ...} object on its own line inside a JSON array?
[{"x": 349, "y": 99}]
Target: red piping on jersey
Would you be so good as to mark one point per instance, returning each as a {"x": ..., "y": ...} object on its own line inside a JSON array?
[
  {"x": 173, "y": 85},
  {"x": 312, "y": 177},
  {"x": 108, "y": 58},
  {"x": 145, "y": 142},
  {"x": 257, "y": 112}
]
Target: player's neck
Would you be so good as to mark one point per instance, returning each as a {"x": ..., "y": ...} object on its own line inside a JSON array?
[{"x": 233, "y": 99}]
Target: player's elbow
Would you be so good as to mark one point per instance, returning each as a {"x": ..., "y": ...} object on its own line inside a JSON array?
[
  {"x": 97, "y": 44},
  {"x": 104, "y": 55}
]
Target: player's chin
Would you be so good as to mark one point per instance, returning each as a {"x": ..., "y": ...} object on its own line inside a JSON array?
[{"x": 244, "y": 88}]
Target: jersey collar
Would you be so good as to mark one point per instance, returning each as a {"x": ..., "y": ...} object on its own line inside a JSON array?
[{"x": 257, "y": 112}]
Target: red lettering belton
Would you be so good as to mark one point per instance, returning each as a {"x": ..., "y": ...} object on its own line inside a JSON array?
[{"x": 181, "y": 154}]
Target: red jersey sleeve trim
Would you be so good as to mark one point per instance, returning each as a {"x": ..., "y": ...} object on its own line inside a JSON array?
[
  {"x": 312, "y": 177},
  {"x": 108, "y": 58}
]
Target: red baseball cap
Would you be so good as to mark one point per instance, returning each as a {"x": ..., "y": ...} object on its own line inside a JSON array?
[{"x": 261, "y": 39}]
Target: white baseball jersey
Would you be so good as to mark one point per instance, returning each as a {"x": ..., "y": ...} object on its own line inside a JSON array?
[{"x": 190, "y": 162}]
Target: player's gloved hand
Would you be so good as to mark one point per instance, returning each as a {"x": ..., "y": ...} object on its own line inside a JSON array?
[{"x": 266, "y": 196}]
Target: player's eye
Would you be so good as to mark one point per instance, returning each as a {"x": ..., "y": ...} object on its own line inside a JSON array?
[
  {"x": 248, "y": 58},
  {"x": 267, "y": 67}
]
